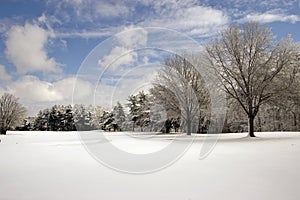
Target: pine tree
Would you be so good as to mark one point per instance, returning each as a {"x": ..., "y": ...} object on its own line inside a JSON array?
[
  {"x": 143, "y": 110},
  {"x": 118, "y": 116},
  {"x": 133, "y": 110}
]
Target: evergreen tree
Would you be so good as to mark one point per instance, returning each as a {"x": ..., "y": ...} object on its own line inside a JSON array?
[
  {"x": 139, "y": 110},
  {"x": 82, "y": 117},
  {"x": 133, "y": 110},
  {"x": 118, "y": 116},
  {"x": 107, "y": 121},
  {"x": 143, "y": 110}
]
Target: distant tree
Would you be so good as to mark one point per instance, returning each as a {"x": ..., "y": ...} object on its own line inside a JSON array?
[
  {"x": 57, "y": 118},
  {"x": 236, "y": 119},
  {"x": 118, "y": 116},
  {"x": 68, "y": 120},
  {"x": 97, "y": 113},
  {"x": 176, "y": 124},
  {"x": 82, "y": 117},
  {"x": 168, "y": 126},
  {"x": 11, "y": 112},
  {"x": 41, "y": 122},
  {"x": 27, "y": 125},
  {"x": 143, "y": 110},
  {"x": 139, "y": 110},
  {"x": 106, "y": 122},
  {"x": 179, "y": 77},
  {"x": 168, "y": 107},
  {"x": 133, "y": 110},
  {"x": 252, "y": 67},
  {"x": 54, "y": 119},
  {"x": 157, "y": 115}
]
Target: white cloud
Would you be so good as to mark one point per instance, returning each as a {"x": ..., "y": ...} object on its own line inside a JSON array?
[
  {"x": 270, "y": 17},
  {"x": 31, "y": 90},
  {"x": 134, "y": 80},
  {"x": 3, "y": 75},
  {"x": 90, "y": 10},
  {"x": 185, "y": 16},
  {"x": 81, "y": 90},
  {"x": 26, "y": 48},
  {"x": 84, "y": 34},
  {"x": 123, "y": 53},
  {"x": 201, "y": 20},
  {"x": 109, "y": 10},
  {"x": 118, "y": 56},
  {"x": 145, "y": 60},
  {"x": 132, "y": 37},
  {"x": 76, "y": 2},
  {"x": 194, "y": 20},
  {"x": 36, "y": 94}
]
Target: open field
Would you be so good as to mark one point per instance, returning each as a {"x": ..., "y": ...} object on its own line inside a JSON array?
[{"x": 52, "y": 165}]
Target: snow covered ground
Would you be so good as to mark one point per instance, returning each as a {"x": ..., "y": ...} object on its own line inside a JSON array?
[{"x": 51, "y": 165}]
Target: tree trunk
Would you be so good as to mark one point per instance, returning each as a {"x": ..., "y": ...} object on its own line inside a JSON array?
[
  {"x": 251, "y": 125},
  {"x": 188, "y": 127},
  {"x": 199, "y": 125},
  {"x": 295, "y": 119}
]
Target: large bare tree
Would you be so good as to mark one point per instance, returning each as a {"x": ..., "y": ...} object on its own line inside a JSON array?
[
  {"x": 180, "y": 78},
  {"x": 11, "y": 112},
  {"x": 252, "y": 67}
]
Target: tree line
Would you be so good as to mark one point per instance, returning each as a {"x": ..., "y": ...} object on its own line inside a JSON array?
[
  {"x": 82, "y": 117},
  {"x": 260, "y": 76}
]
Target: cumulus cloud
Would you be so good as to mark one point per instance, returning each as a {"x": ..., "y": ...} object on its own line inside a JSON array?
[
  {"x": 80, "y": 90},
  {"x": 118, "y": 56},
  {"x": 31, "y": 90},
  {"x": 3, "y": 75},
  {"x": 123, "y": 53},
  {"x": 26, "y": 48},
  {"x": 132, "y": 37},
  {"x": 270, "y": 17}
]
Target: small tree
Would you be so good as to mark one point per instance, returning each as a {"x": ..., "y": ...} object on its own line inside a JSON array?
[
  {"x": 118, "y": 116},
  {"x": 11, "y": 112},
  {"x": 167, "y": 107},
  {"x": 182, "y": 79},
  {"x": 143, "y": 110},
  {"x": 133, "y": 110},
  {"x": 41, "y": 121},
  {"x": 253, "y": 68}
]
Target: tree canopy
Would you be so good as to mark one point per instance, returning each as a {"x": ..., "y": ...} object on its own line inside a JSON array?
[
  {"x": 11, "y": 112},
  {"x": 252, "y": 66}
]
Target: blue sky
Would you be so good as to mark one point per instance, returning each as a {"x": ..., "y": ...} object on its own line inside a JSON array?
[{"x": 44, "y": 43}]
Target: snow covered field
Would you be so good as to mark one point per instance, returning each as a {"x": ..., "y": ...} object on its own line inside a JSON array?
[{"x": 51, "y": 165}]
